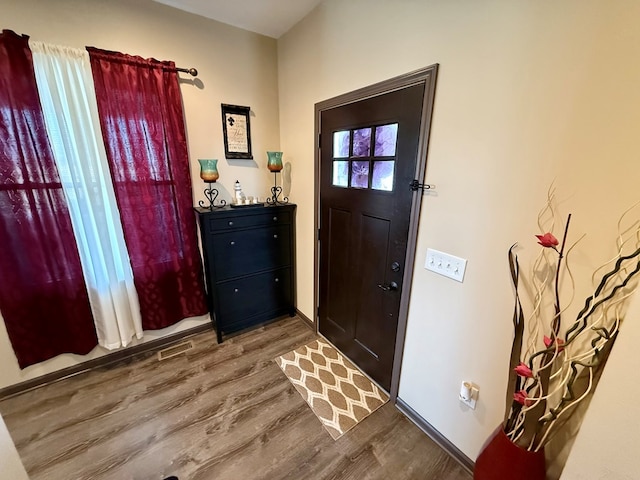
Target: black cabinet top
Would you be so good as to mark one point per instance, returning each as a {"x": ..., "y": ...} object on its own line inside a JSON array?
[
  {"x": 243, "y": 210},
  {"x": 234, "y": 218}
]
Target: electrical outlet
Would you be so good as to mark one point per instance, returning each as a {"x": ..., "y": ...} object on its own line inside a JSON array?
[
  {"x": 445, "y": 264},
  {"x": 469, "y": 394}
]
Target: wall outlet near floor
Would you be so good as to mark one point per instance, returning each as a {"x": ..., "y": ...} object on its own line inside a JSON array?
[
  {"x": 445, "y": 264},
  {"x": 469, "y": 394}
]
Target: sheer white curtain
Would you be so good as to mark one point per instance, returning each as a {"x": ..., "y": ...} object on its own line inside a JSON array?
[{"x": 65, "y": 85}]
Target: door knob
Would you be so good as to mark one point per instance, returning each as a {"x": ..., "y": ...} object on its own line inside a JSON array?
[{"x": 386, "y": 288}]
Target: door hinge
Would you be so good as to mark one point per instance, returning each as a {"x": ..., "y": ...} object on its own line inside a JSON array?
[
  {"x": 318, "y": 312},
  {"x": 319, "y": 139},
  {"x": 416, "y": 185},
  {"x": 318, "y": 234}
]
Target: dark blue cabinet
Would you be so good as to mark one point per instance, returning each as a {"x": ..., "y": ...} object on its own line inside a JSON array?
[{"x": 249, "y": 264}]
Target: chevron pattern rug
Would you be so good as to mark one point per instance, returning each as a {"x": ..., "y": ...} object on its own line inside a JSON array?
[{"x": 337, "y": 392}]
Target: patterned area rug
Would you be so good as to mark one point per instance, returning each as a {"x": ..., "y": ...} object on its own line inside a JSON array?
[{"x": 337, "y": 392}]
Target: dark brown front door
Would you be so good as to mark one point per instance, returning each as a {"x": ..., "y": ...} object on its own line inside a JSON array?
[{"x": 368, "y": 159}]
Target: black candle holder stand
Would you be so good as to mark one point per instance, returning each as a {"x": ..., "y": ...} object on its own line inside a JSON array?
[
  {"x": 275, "y": 193},
  {"x": 211, "y": 194}
]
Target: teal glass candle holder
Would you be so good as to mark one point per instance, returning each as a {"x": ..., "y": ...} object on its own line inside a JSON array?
[
  {"x": 274, "y": 161},
  {"x": 274, "y": 164},
  {"x": 209, "y": 173},
  {"x": 209, "y": 170}
]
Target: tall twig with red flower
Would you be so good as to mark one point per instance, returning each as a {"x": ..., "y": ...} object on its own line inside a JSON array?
[{"x": 559, "y": 367}]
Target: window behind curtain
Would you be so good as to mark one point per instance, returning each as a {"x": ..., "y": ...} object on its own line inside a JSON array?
[{"x": 43, "y": 298}]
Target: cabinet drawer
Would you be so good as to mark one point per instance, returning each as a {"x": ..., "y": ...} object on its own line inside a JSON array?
[
  {"x": 253, "y": 296},
  {"x": 246, "y": 221},
  {"x": 249, "y": 251}
]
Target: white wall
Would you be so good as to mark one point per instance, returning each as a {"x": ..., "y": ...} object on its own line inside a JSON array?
[
  {"x": 235, "y": 67},
  {"x": 527, "y": 93}
]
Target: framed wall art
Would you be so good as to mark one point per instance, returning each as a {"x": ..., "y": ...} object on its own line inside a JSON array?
[{"x": 236, "y": 131}]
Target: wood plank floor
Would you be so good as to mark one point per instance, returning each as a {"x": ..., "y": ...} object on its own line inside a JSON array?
[{"x": 223, "y": 412}]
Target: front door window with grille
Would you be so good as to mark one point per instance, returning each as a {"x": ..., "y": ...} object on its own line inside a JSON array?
[{"x": 354, "y": 166}]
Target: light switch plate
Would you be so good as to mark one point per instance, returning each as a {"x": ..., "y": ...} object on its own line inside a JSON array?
[{"x": 445, "y": 264}]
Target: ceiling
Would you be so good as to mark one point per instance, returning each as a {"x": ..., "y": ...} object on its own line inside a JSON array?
[{"x": 268, "y": 17}]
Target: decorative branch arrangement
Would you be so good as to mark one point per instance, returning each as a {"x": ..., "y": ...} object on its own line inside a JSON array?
[{"x": 560, "y": 366}]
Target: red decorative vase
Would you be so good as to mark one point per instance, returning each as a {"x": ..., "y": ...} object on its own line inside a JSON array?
[{"x": 501, "y": 459}]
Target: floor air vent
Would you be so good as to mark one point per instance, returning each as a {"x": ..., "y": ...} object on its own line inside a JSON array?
[{"x": 174, "y": 350}]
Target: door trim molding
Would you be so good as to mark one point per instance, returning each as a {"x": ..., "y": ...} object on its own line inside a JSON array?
[{"x": 426, "y": 76}]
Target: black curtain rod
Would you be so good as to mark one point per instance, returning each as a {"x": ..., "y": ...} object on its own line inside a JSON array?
[{"x": 191, "y": 71}]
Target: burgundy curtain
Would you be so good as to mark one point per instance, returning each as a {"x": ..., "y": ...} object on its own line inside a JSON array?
[
  {"x": 140, "y": 109},
  {"x": 43, "y": 298}
]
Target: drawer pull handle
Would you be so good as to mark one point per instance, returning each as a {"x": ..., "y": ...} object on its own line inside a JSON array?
[
  {"x": 275, "y": 219},
  {"x": 235, "y": 290},
  {"x": 230, "y": 224},
  {"x": 275, "y": 235},
  {"x": 232, "y": 242},
  {"x": 277, "y": 280}
]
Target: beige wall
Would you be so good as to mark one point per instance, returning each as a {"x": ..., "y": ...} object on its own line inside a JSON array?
[
  {"x": 9, "y": 459},
  {"x": 528, "y": 92},
  {"x": 607, "y": 444},
  {"x": 235, "y": 66}
]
